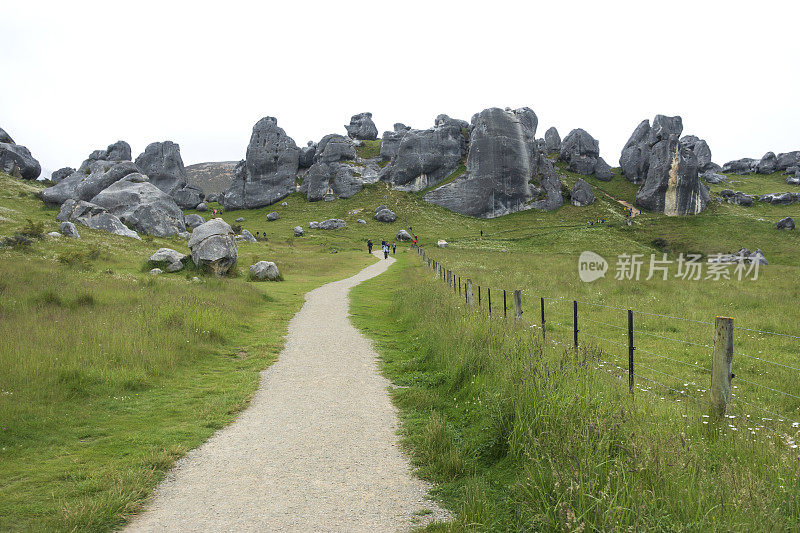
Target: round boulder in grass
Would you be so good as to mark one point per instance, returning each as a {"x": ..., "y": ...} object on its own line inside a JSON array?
[
  {"x": 68, "y": 229},
  {"x": 166, "y": 256},
  {"x": 192, "y": 221},
  {"x": 385, "y": 215},
  {"x": 213, "y": 247},
  {"x": 786, "y": 223},
  {"x": 403, "y": 235},
  {"x": 298, "y": 231},
  {"x": 202, "y": 207},
  {"x": 265, "y": 271},
  {"x": 272, "y": 217}
]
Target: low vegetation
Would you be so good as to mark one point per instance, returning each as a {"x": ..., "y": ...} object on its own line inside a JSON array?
[{"x": 369, "y": 149}]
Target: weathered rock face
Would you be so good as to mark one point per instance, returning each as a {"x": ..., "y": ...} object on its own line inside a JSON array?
[
  {"x": 61, "y": 173},
  {"x": 143, "y": 207},
  {"x": 768, "y": 164},
  {"x": 390, "y": 142},
  {"x": 786, "y": 223},
  {"x": 68, "y": 229},
  {"x": 5, "y": 137},
  {"x": 780, "y": 198},
  {"x": 331, "y": 175},
  {"x": 268, "y": 173},
  {"x": 361, "y": 127},
  {"x": 166, "y": 256},
  {"x": 213, "y": 247},
  {"x": 119, "y": 151},
  {"x": 403, "y": 235},
  {"x": 672, "y": 186},
  {"x": 501, "y": 164},
  {"x": 265, "y": 270},
  {"x": 271, "y": 217},
  {"x": 426, "y": 157},
  {"x": 17, "y": 160},
  {"x": 712, "y": 177},
  {"x": 444, "y": 120},
  {"x": 745, "y": 165},
  {"x": 602, "y": 170},
  {"x": 736, "y": 197},
  {"x": 298, "y": 231},
  {"x": 385, "y": 215},
  {"x": 307, "y": 153},
  {"x": 162, "y": 163},
  {"x": 82, "y": 186},
  {"x": 701, "y": 151},
  {"x": 192, "y": 221},
  {"x": 552, "y": 140},
  {"x": 788, "y": 159},
  {"x": 636, "y": 153},
  {"x": 580, "y": 150},
  {"x": 246, "y": 236},
  {"x": 331, "y": 223},
  {"x": 93, "y": 216},
  {"x": 581, "y": 194}
]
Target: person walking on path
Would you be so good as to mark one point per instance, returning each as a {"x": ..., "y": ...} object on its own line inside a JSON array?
[
  {"x": 369, "y": 246},
  {"x": 385, "y": 250},
  {"x": 415, "y": 240},
  {"x": 394, "y": 248}
]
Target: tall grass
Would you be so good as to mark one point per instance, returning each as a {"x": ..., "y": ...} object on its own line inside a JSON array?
[{"x": 524, "y": 436}]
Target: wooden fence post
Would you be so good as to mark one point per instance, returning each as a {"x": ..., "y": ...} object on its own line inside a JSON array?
[
  {"x": 517, "y": 304},
  {"x": 575, "y": 321},
  {"x": 489, "y": 295},
  {"x": 630, "y": 350},
  {"x": 721, "y": 365},
  {"x": 459, "y": 285},
  {"x": 542, "y": 302},
  {"x": 469, "y": 292},
  {"x": 505, "y": 307},
  {"x": 479, "y": 295}
]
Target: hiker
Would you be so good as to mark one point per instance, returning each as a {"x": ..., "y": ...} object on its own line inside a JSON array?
[
  {"x": 394, "y": 248},
  {"x": 385, "y": 250},
  {"x": 369, "y": 246},
  {"x": 415, "y": 240},
  {"x": 481, "y": 233}
]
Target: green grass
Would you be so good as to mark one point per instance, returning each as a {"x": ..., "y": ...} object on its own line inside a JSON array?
[
  {"x": 521, "y": 436},
  {"x": 458, "y": 172},
  {"x": 369, "y": 149},
  {"x": 108, "y": 374}
]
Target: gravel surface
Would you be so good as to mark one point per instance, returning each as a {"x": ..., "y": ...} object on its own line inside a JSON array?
[{"x": 316, "y": 450}]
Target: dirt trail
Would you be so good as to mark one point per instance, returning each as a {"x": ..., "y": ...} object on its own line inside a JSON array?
[
  {"x": 316, "y": 450},
  {"x": 634, "y": 211}
]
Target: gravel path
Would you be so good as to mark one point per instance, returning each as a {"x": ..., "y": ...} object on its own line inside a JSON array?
[{"x": 316, "y": 450}]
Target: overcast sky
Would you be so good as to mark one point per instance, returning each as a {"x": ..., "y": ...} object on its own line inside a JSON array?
[{"x": 78, "y": 76}]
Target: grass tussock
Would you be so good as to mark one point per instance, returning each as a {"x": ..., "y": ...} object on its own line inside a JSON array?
[{"x": 523, "y": 436}]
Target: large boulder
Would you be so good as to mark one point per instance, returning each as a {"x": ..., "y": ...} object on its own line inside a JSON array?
[
  {"x": 788, "y": 159},
  {"x": 333, "y": 174},
  {"x": 580, "y": 151},
  {"x": 444, "y": 120},
  {"x": 143, "y": 207},
  {"x": 331, "y": 223},
  {"x": 361, "y": 127},
  {"x": 581, "y": 194},
  {"x": 745, "y": 165},
  {"x": 307, "y": 153},
  {"x": 403, "y": 235},
  {"x": 213, "y": 247},
  {"x": 701, "y": 151},
  {"x": 268, "y": 173},
  {"x": 189, "y": 197},
  {"x": 163, "y": 164},
  {"x": 786, "y": 223},
  {"x": 780, "y": 198},
  {"x": 82, "y": 186},
  {"x": 95, "y": 217},
  {"x": 602, "y": 170},
  {"x": 265, "y": 270},
  {"x": 68, "y": 229},
  {"x": 390, "y": 142},
  {"x": 114, "y": 153},
  {"x": 5, "y": 137},
  {"x": 503, "y": 168},
  {"x": 17, "y": 160},
  {"x": 59, "y": 175},
  {"x": 635, "y": 156},
  {"x": 385, "y": 215},
  {"x": 192, "y": 221},
  {"x": 709, "y": 176},
  {"x": 272, "y": 217},
  {"x": 298, "y": 231},
  {"x": 552, "y": 140},
  {"x": 672, "y": 186},
  {"x": 165, "y": 257},
  {"x": 426, "y": 157},
  {"x": 767, "y": 164}
]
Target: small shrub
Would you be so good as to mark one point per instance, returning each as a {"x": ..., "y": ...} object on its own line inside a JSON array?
[
  {"x": 660, "y": 244},
  {"x": 50, "y": 297},
  {"x": 84, "y": 300},
  {"x": 18, "y": 240},
  {"x": 237, "y": 229},
  {"x": 80, "y": 259}
]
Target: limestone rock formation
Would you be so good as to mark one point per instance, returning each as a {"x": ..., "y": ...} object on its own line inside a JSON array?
[
  {"x": 385, "y": 215},
  {"x": 213, "y": 178},
  {"x": 333, "y": 174},
  {"x": 17, "y": 160},
  {"x": 390, "y": 142},
  {"x": 745, "y": 165},
  {"x": 167, "y": 257},
  {"x": 580, "y": 151},
  {"x": 636, "y": 153},
  {"x": 268, "y": 173},
  {"x": 503, "y": 168},
  {"x": 767, "y": 164},
  {"x": 5, "y": 137},
  {"x": 60, "y": 174},
  {"x": 68, "y": 229},
  {"x": 672, "y": 185},
  {"x": 192, "y": 221},
  {"x": 213, "y": 247},
  {"x": 403, "y": 235},
  {"x": 701, "y": 151},
  {"x": 265, "y": 270},
  {"x": 552, "y": 140},
  {"x": 785, "y": 223},
  {"x": 82, "y": 186},
  {"x": 114, "y": 153},
  {"x": 581, "y": 194},
  {"x": 307, "y": 153},
  {"x": 162, "y": 163},
  {"x": 142, "y": 207},
  {"x": 298, "y": 231},
  {"x": 272, "y": 217},
  {"x": 362, "y": 128},
  {"x": 93, "y": 216}
]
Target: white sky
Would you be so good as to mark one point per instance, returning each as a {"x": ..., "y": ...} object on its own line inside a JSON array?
[{"x": 78, "y": 76}]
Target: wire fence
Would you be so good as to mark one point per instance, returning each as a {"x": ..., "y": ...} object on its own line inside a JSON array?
[{"x": 676, "y": 357}]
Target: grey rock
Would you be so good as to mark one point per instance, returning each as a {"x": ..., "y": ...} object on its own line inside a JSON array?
[
  {"x": 403, "y": 235},
  {"x": 68, "y": 229},
  {"x": 185, "y": 235},
  {"x": 156, "y": 271},
  {"x": 213, "y": 197},
  {"x": 247, "y": 236},
  {"x": 672, "y": 186},
  {"x": 188, "y": 198},
  {"x": 549, "y": 196},
  {"x": 166, "y": 256},
  {"x": 501, "y": 164},
  {"x": 17, "y": 160},
  {"x": 425, "y": 157},
  {"x": 213, "y": 247},
  {"x": 794, "y": 180},
  {"x": 5, "y": 137},
  {"x": 162, "y": 163},
  {"x": 114, "y": 153},
  {"x": 268, "y": 173},
  {"x": 444, "y": 120},
  {"x": 361, "y": 221},
  {"x": 202, "y": 207},
  {"x": 332, "y": 223},
  {"x": 380, "y": 208},
  {"x": 81, "y": 186},
  {"x": 742, "y": 256},
  {"x": 602, "y": 170},
  {"x": 390, "y": 142},
  {"x": 313, "y": 225},
  {"x": 385, "y": 215},
  {"x": 284, "y": 204},
  {"x": 298, "y": 231},
  {"x": 61, "y": 173},
  {"x": 192, "y": 221},
  {"x": 95, "y": 217},
  {"x": 334, "y": 148},
  {"x": 240, "y": 219},
  {"x": 273, "y": 216},
  {"x": 740, "y": 166},
  {"x": 768, "y": 164},
  {"x": 552, "y": 140},
  {"x": 265, "y": 270},
  {"x": 580, "y": 150},
  {"x": 54, "y": 234},
  {"x": 740, "y": 198},
  {"x": 712, "y": 177},
  {"x": 362, "y": 127},
  {"x": 177, "y": 266},
  {"x": 581, "y": 194},
  {"x": 306, "y": 157},
  {"x": 788, "y": 159},
  {"x": 786, "y": 223},
  {"x": 701, "y": 151},
  {"x": 636, "y": 153},
  {"x": 142, "y": 207},
  {"x": 780, "y": 198}
]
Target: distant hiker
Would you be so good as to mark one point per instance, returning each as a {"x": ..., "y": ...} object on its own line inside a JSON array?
[
  {"x": 394, "y": 248},
  {"x": 415, "y": 240},
  {"x": 385, "y": 251},
  {"x": 481, "y": 233},
  {"x": 369, "y": 246}
]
